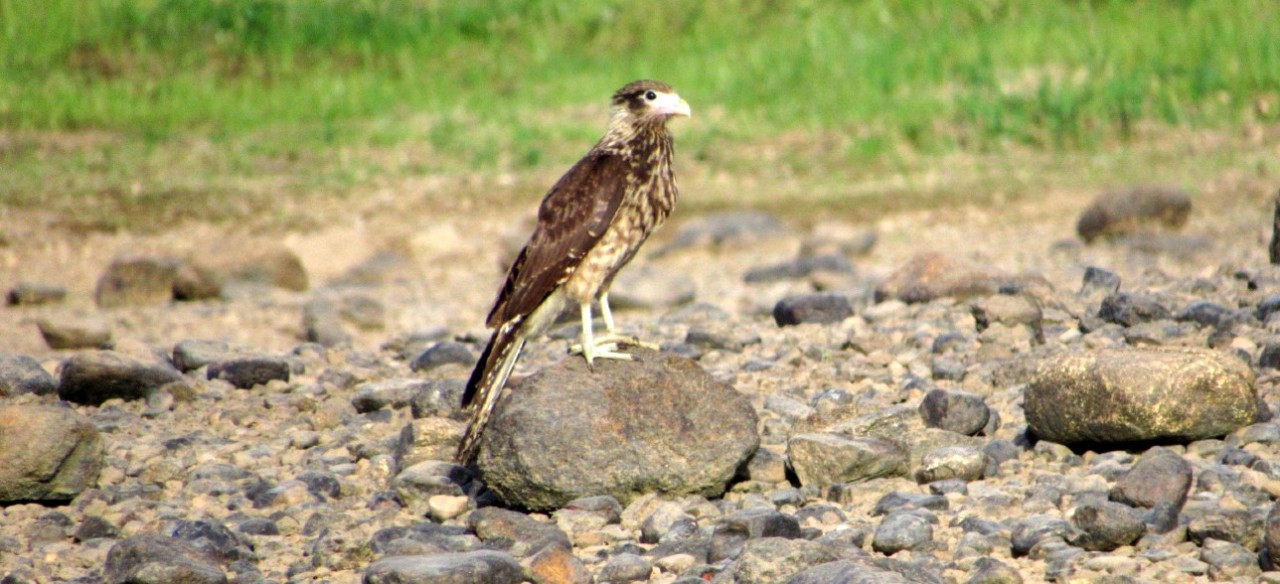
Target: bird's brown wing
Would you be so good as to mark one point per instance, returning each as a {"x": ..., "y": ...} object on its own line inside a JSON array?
[{"x": 572, "y": 218}]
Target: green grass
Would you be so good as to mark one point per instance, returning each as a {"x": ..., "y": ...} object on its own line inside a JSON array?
[{"x": 329, "y": 93}]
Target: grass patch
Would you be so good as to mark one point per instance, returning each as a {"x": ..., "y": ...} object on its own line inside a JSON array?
[{"x": 217, "y": 100}]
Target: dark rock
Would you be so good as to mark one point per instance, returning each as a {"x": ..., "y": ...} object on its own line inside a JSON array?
[
  {"x": 1160, "y": 476},
  {"x": 658, "y": 423},
  {"x": 1099, "y": 282},
  {"x": 442, "y": 354},
  {"x": 246, "y": 371},
  {"x": 1128, "y": 211},
  {"x": 1207, "y": 314},
  {"x": 1229, "y": 561},
  {"x": 1233, "y": 525},
  {"x": 523, "y": 535},
  {"x": 826, "y": 459},
  {"x": 956, "y": 411},
  {"x": 625, "y": 568},
  {"x": 193, "y": 354},
  {"x": 799, "y": 268},
  {"x": 650, "y": 288},
  {"x": 258, "y": 526},
  {"x": 1032, "y": 530},
  {"x": 1269, "y": 357},
  {"x": 1126, "y": 309},
  {"x": 905, "y": 501},
  {"x": 1105, "y": 526},
  {"x": 478, "y": 567},
  {"x": 155, "y": 559},
  {"x": 902, "y": 530},
  {"x": 732, "y": 532},
  {"x": 868, "y": 570},
  {"x": 34, "y": 294},
  {"x": 21, "y": 374},
  {"x": 992, "y": 571},
  {"x": 74, "y": 332},
  {"x": 96, "y": 376},
  {"x": 95, "y": 527},
  {"x": 1269, "y": 306},
  {"x": 322, "y": 484},
  {"x": 774, "y": 559},
  {"x": 817, "y": 308},
  {"x": 209, "y": 536},
  {"x": 136, "y": 281},
  {"x": 931, "y": 275},
  {"x": 416, "y": 484},
  {"x": 724, "y": 228},
  {"x": 47, "y": 454},
  {"x": 1271, "y": 538},
  {"x": 1132, "y": 395}
]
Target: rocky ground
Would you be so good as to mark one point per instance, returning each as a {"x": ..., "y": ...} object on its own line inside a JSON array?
[{"x": 964, "y": 395}]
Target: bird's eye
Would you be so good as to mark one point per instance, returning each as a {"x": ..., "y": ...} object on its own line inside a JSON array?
[{"x": 650, "y": 95}]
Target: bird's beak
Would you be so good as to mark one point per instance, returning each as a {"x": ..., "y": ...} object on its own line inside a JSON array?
[{"x": 670, "y": 104}]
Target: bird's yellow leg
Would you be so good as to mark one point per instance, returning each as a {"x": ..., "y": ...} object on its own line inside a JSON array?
[
  {"x": 591, "y": 348},
  {"x": 611, "y": 336}
]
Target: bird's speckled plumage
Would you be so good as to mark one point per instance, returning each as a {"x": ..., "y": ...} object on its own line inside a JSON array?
[{"x": 590, "y": 224}]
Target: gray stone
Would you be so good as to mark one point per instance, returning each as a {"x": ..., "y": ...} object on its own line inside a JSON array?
[
  {"x": 323, "y": 324},
  {"x": 1208, "y": 314},
  {"x": 956, "y": 411},
  {"x": 1233, "y": 525},
  {"x": 441, "y": 354},
  {"x": 440, "y": 397},
  {"x": 1127, "y": 309},
  {"x": 1131, "y": 210},
  {"x": 1099, "y": 282},
  {"x": 966, "y": 463},
  {"x": 868, "y": 570},
  {"x": 931, "y": 275},
  {"x": 21, "y": 374},
  {"x": 625, "y": 568},
  {"x": 991, "y": 571},
  {"x": 1271, "y": 538},
  {"x": 1160, "y": 476},
  {"x": 1009, "y": 310},
  {"x": 136, "y": 281},
  {"x": 36, "y": 294},
  {"x": 209, "y": 536},
  {"x": 770, "y": 560},
  {"x": 1229, "y": 561},
  {"x": 824, "y": 307},
  {"x": 246, "y": 371},
  {"x": 1032, "y": 530},
  {"x": 732, "y": 532},
  {"x": 1132, "y": 395},
  {"x": 827, "y": 459},
  {"x": 478, "y": 567},
  {"x": 525, "y": 536},
  {"x": 74, "y": 332},
  {"x": 902, "y": 530},
  {"x": 658, "y": 423},
  {"x": 96, "y": 376},
  {"x": 1104, "y": 526},
  {"x": 392, "y": 393},
  {"x": 48, "y": 454},
  {"x": 155, "y": 559}
]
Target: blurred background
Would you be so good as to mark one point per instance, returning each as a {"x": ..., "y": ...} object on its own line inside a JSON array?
[{"x": 118, "y": 114}]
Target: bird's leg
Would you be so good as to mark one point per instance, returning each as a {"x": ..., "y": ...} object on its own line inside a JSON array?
[
  {"x": 592, "y": 348},
  {"x": 611, "y": 335}
]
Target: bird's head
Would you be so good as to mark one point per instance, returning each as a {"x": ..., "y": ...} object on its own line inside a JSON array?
[{"x": 649, "y": 100}]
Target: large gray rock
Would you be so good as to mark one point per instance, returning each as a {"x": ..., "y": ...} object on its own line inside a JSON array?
[
  {"x": 48, "y": 454},
  {"x": 827, "y": 459},
  {"x": 478, "y": 567},
  {"x": 1133, "y": 395},
  {"x": 658, "y": 423},
  {"x": 22, "y": 374},
  {"x": 155, "y": 559},
  {"x": 97, "y": 376},
  {"x": 1127, "y": 211},
  {"x": 136, "y": 280}
]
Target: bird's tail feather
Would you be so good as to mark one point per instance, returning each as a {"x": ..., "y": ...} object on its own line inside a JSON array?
[{"x": 486, "y": 383}]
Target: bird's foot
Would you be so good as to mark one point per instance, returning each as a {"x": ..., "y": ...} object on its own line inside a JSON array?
[{"x": 601, "y": 349}]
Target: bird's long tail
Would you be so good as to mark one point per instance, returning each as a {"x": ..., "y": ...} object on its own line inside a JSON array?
[{"x": 486, "y": 383}]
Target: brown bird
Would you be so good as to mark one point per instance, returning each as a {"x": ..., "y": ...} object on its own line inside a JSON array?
[{"x": 590, "y": 224}]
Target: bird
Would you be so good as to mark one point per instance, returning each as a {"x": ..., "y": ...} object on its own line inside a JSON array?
[{"x": 590, "y": 224}]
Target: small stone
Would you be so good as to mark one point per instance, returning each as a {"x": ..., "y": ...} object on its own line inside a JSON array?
[
  {"x": 812, "y": 308},
  {"x": 445, "y": 507},
  {"x": 625, "y": 568},
  {"x": 96, "y": 376},
  {"x": 47, "y": 453},
  {"x": 902, "y": 530},
  {"x": 951, "y": 462},
  {"x": 1126, "y": 309},
  {"x": 931, "y": 275},
  {"x": 247, "y": 371},
  {"x": 1159, "y": 476},
  {"x": 153, "y": 559},
  {"x": 1105, "y": 526},
  {"x": 956, "y": 411},
  {"x": 827, "y": 459},
  {"x": 443, "y": 353},
  {"x": 1032, "y": 530},
  {"x": 478, "y": 567},
  {"x": 1099, "y": 282},
  {"x": 74, "y": 332},
  {"x": 1131, "y": 210},
  {"x": 193, "y": 354},
  {"x": 798, "y": 268},
  {"x": 992, "y": 571},
  {"x": 323, "y": 324},
  {"x": 136, "y": 281},
  {"x": 21, "y": 374},
  {"x": 1228, "y": 560},
  {"x": 35, "y": 294}
]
